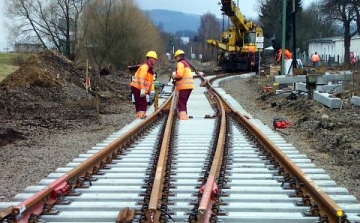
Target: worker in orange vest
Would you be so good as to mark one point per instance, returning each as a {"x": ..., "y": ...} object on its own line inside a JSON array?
[
  {"x": 142, "y": 82},
  {"x": 315, "y": 59},
  {"x": 288, "y": 55},
  {"x": 184, "y": 83}
]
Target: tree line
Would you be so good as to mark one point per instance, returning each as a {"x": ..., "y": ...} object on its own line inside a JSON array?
[
  {"x": 324, "y": 18},
  {"x": 117, "y": 32},
  {"x": 106, "y": 32}
]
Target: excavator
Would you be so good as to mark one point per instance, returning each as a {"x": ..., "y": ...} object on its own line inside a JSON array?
[{"x": 237, "y": 47}]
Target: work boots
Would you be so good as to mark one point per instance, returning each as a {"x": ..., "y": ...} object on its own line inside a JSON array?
[
  {"x": 141, "y": 115},
  {"x": 183, "y": 115}
]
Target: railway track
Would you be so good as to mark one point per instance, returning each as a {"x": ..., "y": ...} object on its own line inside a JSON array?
[{"x": 220, "y": 166}]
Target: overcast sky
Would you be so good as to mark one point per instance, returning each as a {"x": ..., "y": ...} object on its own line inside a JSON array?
[
  {"x": 3, "y": 31},
  {"x": 247, "y": 7}
]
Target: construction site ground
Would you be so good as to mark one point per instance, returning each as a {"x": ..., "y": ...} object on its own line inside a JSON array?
[{"x": 47, "y": 119}]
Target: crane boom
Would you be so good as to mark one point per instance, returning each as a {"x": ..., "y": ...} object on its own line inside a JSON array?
[
  {"x": 223, "y": 46},
  {"x": 237, "y": 18}
]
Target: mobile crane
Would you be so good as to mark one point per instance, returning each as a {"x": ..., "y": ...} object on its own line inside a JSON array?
[{"x": 238, "y": 50}]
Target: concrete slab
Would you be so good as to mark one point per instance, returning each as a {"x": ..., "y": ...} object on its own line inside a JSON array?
[
  {"x": 289, "y": 79},
  {"x": 321, "y": 79},
  {"x": 327, "y": 100},
  {"x": 355, "y": 100},
  {"x": 342, "y": 76},
  {"x": 300, "y": 87},
  {"x": 333, "y": 88},
  {"x": 330, "y": 88}
]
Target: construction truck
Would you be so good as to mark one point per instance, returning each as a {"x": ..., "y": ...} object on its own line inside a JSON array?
[{"x": 238, "y": 49}]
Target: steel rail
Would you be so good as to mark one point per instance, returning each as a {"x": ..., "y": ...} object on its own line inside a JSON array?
[
  {"x": 33, "y": 206},
  {"x": 210, "y": 187},
  {"x": 325, "y": 206},
  {"x": 153, "y": 214}
]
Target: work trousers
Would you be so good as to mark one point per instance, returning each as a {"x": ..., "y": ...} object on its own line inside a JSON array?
[
  {"x": 140, "y": 102},
  {"x": 183, "y": 98},
  {"x": 315, "y": 63}
]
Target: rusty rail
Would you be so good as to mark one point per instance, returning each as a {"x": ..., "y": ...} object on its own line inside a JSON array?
[
  {"x": 153, "y": 214},
  {"x": 210, "y": 187},
  {"x": 33, "y": 206},
  {"x": 321, "y": 204},
  {"x": 326, "y": 205}
]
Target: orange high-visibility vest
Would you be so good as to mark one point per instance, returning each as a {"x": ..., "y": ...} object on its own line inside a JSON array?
[
  {"x": 288, "y": 55},
  {"x": 143, "y": 78},
  {"x": 183, "y": 76},
  {"x": 315, "y": 58}
]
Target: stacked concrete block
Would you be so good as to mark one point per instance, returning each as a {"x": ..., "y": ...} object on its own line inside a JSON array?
[
  {"x": 355, "y": 100},
  {"x": 331, "y": 88},
  {"x": 342, "y": 76},
  {"x": 334, "y": 88},
  {"x": 289, "y": 79},
  {"x": 300, "y": 87},
  {"x": 321, "y": 79},
  {"x": 327, "y": 100}
]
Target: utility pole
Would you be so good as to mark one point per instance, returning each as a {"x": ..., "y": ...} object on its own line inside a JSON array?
[
  {"x": 283, "y": 38},
  {"x": 294, "y": 62},
  {"x": 171, "y": 45}
]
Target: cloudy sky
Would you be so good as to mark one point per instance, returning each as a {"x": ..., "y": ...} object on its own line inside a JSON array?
[
  {"x": 3, "y": 31},
  {"x": 247, "y": 7}
]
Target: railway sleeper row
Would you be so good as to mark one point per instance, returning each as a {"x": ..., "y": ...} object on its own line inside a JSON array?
[{"x": 251, "y": 185}]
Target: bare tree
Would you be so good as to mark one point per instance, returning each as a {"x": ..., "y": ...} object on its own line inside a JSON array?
[
  {"x": 356, "y": 7},
  {"x": 209, "y": 29},
  {"x": 344, "y": 13},
  {"x": 53, "y": 23},
  {"x": 117, "y": 32},
  {"x": 313, "y": 17}
]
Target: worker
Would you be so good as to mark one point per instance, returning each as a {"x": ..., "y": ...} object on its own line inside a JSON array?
[
  {"x": 288, "y": 55},
  {"x": 184, "y": 83},
  {"x": 315, "y": 59},
  {"x": 142, "y": 82}
]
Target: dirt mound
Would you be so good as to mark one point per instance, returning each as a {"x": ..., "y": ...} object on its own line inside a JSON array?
[
  {"x": 46, "y": 76},
  {"x": 48, "y": 92}
]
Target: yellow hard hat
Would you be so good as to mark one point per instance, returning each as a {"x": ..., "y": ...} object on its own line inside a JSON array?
[
  {"x": 152, "y": 54},
  {"x": 179, "y": 52}
]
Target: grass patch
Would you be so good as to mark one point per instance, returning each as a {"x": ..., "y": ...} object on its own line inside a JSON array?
[
  {"x": 6, "y": 70},
  {"x": 9, "y": 62},
  {"x": 32, "y": 73}
]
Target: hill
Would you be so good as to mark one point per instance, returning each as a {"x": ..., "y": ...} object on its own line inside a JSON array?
[{"x": 173, "y": 21}]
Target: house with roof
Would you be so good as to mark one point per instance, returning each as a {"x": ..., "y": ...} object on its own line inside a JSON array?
[
  {"x": 332, "y": 49},
  {"x": 28, "y": 48}
]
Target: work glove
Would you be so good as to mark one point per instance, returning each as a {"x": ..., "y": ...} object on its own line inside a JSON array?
[{"x": 142, "y": 92}]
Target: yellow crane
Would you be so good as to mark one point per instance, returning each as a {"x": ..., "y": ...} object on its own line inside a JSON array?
[{"x": 238, "y": 50}]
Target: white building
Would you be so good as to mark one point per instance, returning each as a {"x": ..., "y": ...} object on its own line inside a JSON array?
[
  {"x": 185, "y": 40},
  {"x": 333, "y": 48}
]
